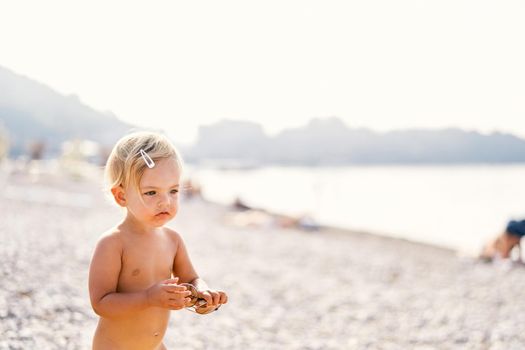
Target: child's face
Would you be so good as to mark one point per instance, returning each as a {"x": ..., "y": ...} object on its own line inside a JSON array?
[{"x": 156, "y": 203}]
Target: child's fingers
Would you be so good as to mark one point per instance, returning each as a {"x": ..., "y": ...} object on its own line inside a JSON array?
[
  {"x": 223, "y": 297},
  {"x": 174, "y": 280},
  {"x": 177, "y": 290},
  {"x": 177, "y": 304},
  {"x": 207, "y": 296},
  {"x": 174, "y": 287},
  {"x": 184, "y": 293},
  {"x": 215, "y": 296},
  {"x": 171, "y": 280}
]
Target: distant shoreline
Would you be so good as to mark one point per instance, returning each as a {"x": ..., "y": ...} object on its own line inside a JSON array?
[
  {"x": 345, "y": 233},
  {"x": 51, "y": 181}
]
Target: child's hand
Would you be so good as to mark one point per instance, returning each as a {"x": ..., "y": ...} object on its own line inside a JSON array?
[
  {"x": 168, "y": 294},
  {"x": 214, "y": 298}
]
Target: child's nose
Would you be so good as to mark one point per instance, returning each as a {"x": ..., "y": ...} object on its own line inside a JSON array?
[{"x": 163, "y": 201}]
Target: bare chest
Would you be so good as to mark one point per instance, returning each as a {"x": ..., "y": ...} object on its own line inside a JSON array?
[{"x": 145, "y": 263}]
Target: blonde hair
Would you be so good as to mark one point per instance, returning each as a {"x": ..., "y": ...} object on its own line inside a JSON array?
[{"x": 125, "y": 165}]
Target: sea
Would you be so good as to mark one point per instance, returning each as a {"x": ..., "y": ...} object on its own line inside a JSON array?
[{"x": 458, "y": 206}]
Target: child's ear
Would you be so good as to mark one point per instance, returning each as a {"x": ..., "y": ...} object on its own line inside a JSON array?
[{"x": 119, "y": 195}]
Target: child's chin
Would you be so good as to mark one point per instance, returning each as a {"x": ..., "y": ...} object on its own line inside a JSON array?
[{"x": 157, "y": 222}]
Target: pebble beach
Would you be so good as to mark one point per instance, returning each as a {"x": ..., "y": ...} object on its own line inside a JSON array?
[{"x": 288, "y": 288}]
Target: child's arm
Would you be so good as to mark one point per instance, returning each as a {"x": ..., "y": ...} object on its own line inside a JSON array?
[
  {"x": 103, "y": 278},
  {"x": 183, "y": 268}
]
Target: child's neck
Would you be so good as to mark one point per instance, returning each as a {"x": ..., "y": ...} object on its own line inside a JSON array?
[{"x": 131, "y": 224}]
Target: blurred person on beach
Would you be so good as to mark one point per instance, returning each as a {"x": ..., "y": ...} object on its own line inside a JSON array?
[
  {"x": 140, "y": 269},
  {"x": 501, "y": 246}
]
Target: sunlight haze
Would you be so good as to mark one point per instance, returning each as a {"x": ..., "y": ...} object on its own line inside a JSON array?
[{"x": 378, "y": 64}]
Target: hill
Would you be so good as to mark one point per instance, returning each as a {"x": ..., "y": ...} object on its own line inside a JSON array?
[
  {"x": 33, "y": 112},
  {"x": 330, "y": 142}
]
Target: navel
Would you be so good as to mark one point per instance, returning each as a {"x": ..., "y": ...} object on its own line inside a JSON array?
[{"x": 135, "y": 272}]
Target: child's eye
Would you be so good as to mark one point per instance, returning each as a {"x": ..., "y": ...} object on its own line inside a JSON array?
[
  {"x": 150, "y": 193},
  {"x": 174, "y": 191}
]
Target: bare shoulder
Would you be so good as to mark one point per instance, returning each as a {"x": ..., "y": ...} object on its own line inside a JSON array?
[
  {"x": 173, "y": 235},
  {"x": 111, "y": 240},
  {"x": 111, "y": 236}
]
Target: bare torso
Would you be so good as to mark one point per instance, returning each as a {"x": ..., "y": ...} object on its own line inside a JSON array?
[{"x": 146, "y": 260}]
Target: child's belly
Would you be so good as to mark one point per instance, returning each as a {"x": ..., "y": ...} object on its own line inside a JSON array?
[{"x": 143, "y": 331}]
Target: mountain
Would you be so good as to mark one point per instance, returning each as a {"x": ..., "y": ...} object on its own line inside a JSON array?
[
  {"x": 228, "y": 139},
  {"x": 32, "y": 112},
  {"x": 329, "y": 141}
]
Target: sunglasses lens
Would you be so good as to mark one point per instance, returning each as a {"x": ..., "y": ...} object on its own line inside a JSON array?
[
  {"x": 203, "y": 309},
  {"x": 194, "y": 295},
  {"x": 196, "y": 304},
  {"x": 192, "y": 301}
]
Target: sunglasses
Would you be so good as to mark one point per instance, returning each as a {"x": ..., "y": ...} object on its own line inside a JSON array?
[{"x": 197, "y": 305}]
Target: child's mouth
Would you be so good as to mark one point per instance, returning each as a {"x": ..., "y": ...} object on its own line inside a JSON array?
[{"x": 162, "y": 214}]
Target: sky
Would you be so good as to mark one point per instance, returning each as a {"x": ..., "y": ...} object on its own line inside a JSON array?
[{"x": 379, "y": 64}]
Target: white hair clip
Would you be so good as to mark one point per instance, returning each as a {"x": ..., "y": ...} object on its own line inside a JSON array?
[{"x": 147, "y": 159}]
